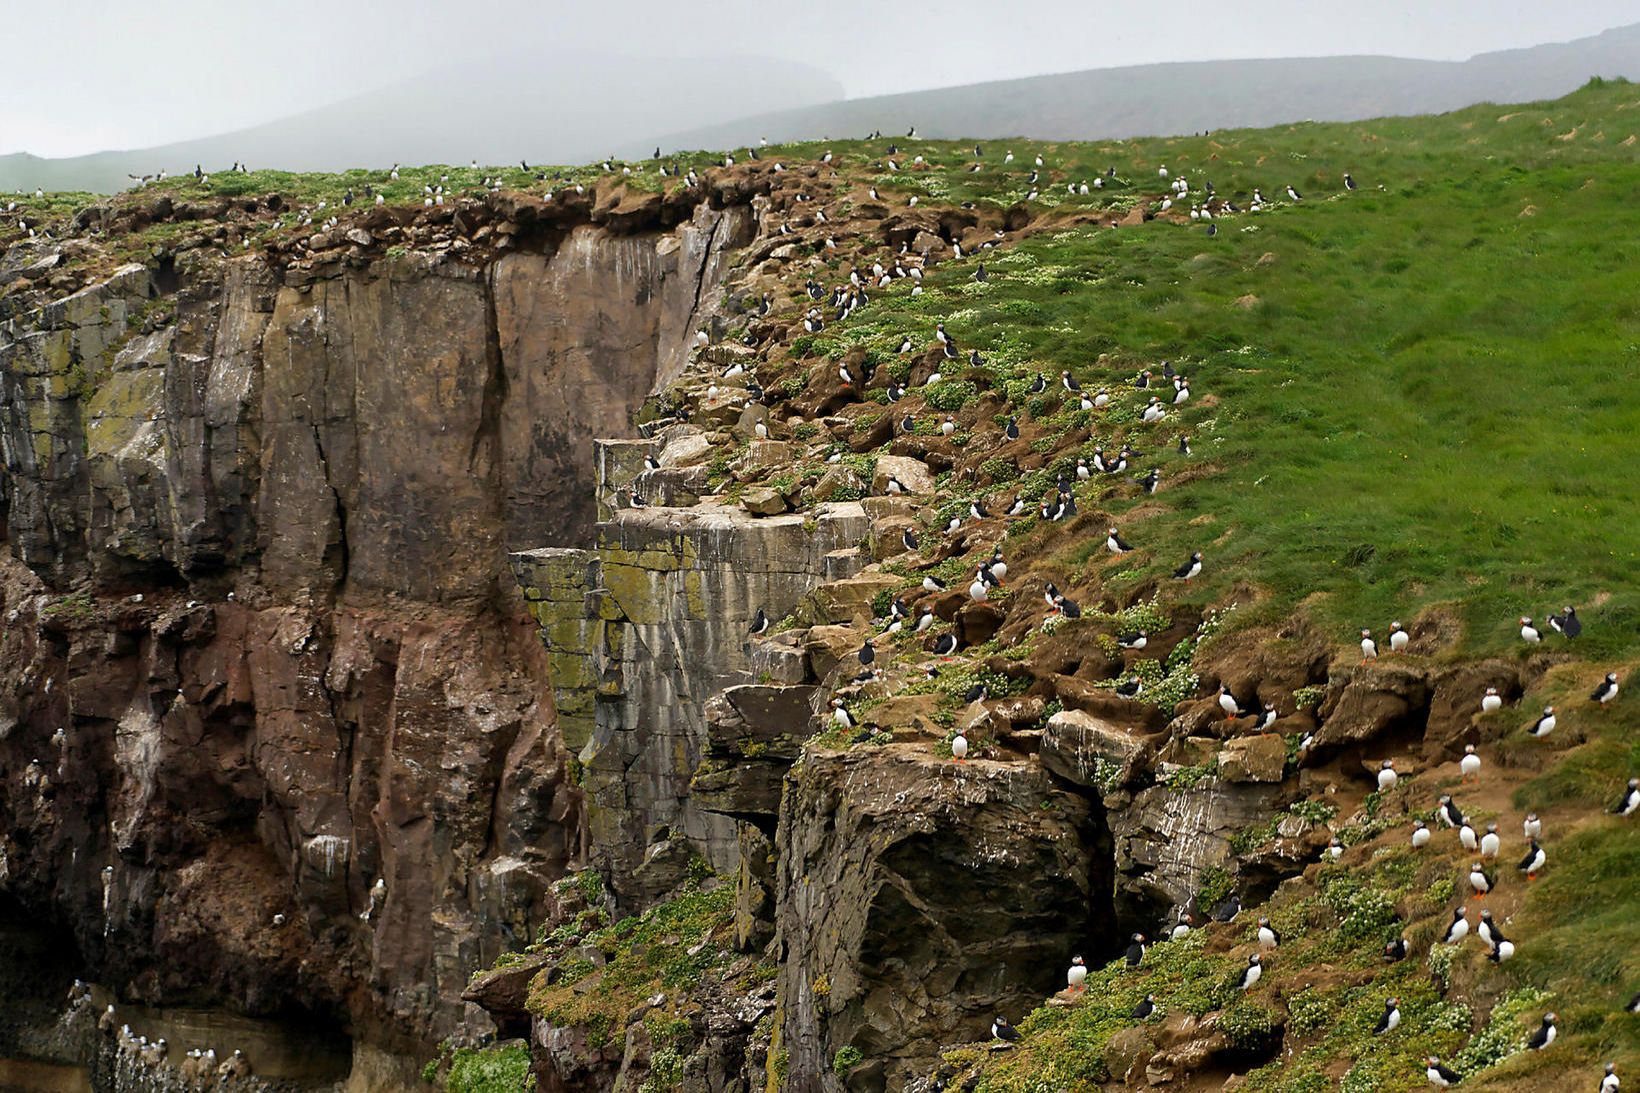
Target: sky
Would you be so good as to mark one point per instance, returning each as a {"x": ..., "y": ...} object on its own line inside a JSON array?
[{"x": 88, "y": 75}]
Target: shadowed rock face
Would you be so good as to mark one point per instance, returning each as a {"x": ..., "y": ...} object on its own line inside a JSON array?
[
  {"x": 299, "y": 662},
  {"x": 921, "y": 898}
]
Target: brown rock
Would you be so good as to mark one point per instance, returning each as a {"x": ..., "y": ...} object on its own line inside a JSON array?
[
  {"x": 762, "y": 501},
  {"x": 1260, "y": 758},
  {"x": 912, "y": 474}
]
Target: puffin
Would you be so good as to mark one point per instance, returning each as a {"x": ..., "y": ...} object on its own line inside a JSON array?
[
  {"x": 1002, "y": 1030},
  {"x": 1130, "y": 688},
  {"x": 1387, "y": 778},
  {"x": 1136, "y": 951},
  {"x": 1268, "y": 938},
  {"x": 1069, "y": 382},
  {"x": 1038, "y": 385},
  {"x": 1529, "y": 633},
  {"x": 760, "y": 624},
  {"x": 1390, "y": 1017},
  {"x": 1077, "y": 976},
  {"x": 1011, "y": 430},
  {"x": 1470, "y": 764},
  {"x": 1566, "y": 623},
  {"x": 1503, "y": 950},
  {"x": 979, "y": 591},
  {"x": 1182, "y": 927},
  {"x": 959, "y": 747},
  {"x": 945, "y": 645},
  {"x": 932, "y": 583},
  {"x": 1448, "y": 812},
  {"x": 840, "y": 714},
  {"x": 1630, "y": 801},
  {"x": 1610, "y": 1083},
  {"x": 1532, "y": 864},
  {"x": 908, "y": 539},
  {"x": 1545, "y": 724},
  {"x": 1369, "y": 648},
  {"x": 1458, "y": 928},
  {"x": 1607, "y": 690},
  {"x": 1191, "y": 568},
  {"x": 1349, "y": 183},
  {"x": 866, "y": 654},
  {"x": 1227, "y": 703},
  {"x": 1491, "y": 702},
  {"x": 1115, "y": 543},
  {"x": 1398, "y": 638},
  {"x": 1491, "y": 843},
  {"x": 1488, "y": 930},
  {"x": 1545, "y": 1034},
  {"x": 1145, "y": 1008},
  {"x": 1252, "y": 973},
  {"x": 1532, "y": 827},
  {"x": 1228, "y": 910},
  {"x": 1479, "y": 881},
  {"x": 1136, "y": 639},
  {"x": 1395, "y": 951},
  {"x": 1467, "y": 837},
  {"x": 1420, "y": 835},
  {"x": 1438, "y": 1073}
]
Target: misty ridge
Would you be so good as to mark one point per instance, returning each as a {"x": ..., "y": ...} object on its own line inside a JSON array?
[{"x": 560, "y": 109}]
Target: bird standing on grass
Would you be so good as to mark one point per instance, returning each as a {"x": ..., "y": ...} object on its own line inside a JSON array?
[
  {"x": 1606, "y": 692},
  {"x": 1630, "y": 801},
  {"x": 1399, "y": 639},
  {"x": 1369, "y": 648}
]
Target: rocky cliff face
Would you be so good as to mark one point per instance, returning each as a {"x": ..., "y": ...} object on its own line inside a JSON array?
[{"x": 262, "y": 653}]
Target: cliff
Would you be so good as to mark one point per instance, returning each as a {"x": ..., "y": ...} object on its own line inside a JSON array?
[{"x": 263, "y": 653}]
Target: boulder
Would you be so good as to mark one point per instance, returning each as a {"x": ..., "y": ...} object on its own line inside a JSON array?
[
  {"x": 912, "y": 474},
  {"x": 837, "y": 480},
  {"x": 1261, "y": 758},
  {"x": 848, "y": 600},
  {"x": 762, "y": 501},
  {"x": 685, "y": 451},
  {"x": 1077, "y": 746}
]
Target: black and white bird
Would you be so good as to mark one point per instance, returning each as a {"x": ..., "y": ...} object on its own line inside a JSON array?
[
  {"x": 1458, "y": 928},
  {"x": 1227, "y": 702},
  {"x": 1448, "y": 812},
  {"x": 1491, "y": 701},
  {"x": 1606, "y": 691},
  {"x": 1479, "y": 882},
  {"x": 1439, "y": 1074},
  {"x": 1532, "y": 864},
  {"x": 840, "y": 714},
  {"x": 1544, "y": 1035},
  {"x": 1190, "y": 569},
  {"x": 1011, "y": 431},
  {"x": 1144, "y": 1009},
  {"x": 1069, "y": 382},
  {"x": 1133, "y": 639},
  {"x": 1488, "y": 930},
  {"x": 1389, "y": 1018},
  {"x": 1002, "y": 1030},
  {"x": 1610, "y": 1083},
  {"x": 1228, "y": 910},
  {"x": 1470, "y": 764},
  {"x": 1630, "y": 801},
  {"x": 1251, "y": 974},
  {"x": 908, "y": 539},
  {"x": 1545, "y": 724},
  {"x": 1399, "y": 639},
  {"x": 760, "y": 624},
  {"x": 1115, "y": 543},
  {"x": 1566, "y": 622},
  {"x": 1387, "y": 778},
  {"x": 1491, "y": 843},
  {"x": 1369, "y": 648},
  {"x": 1294, "y": 195},
  {"x": 1420, "y": 835},
  {"x": 1076, "y": 976},
  {"x": 1528, "y": 632},
  {"x": 1268, "y": 938},
  {"x": 1135, "y": 951},
  {"x": 945, "y": 645},
  {"x": 1532, "y": 827},
  {"x": 932, "y": 583},
  {"x": 1130, "y": 688},
  {"x": 1395, "y": 951},
  {"x": 1349, "y": 183}
]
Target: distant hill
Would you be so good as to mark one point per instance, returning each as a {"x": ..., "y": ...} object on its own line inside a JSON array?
[
  {"x": 1171, "y": 99},
  {"x": 542, "y": 108}
]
